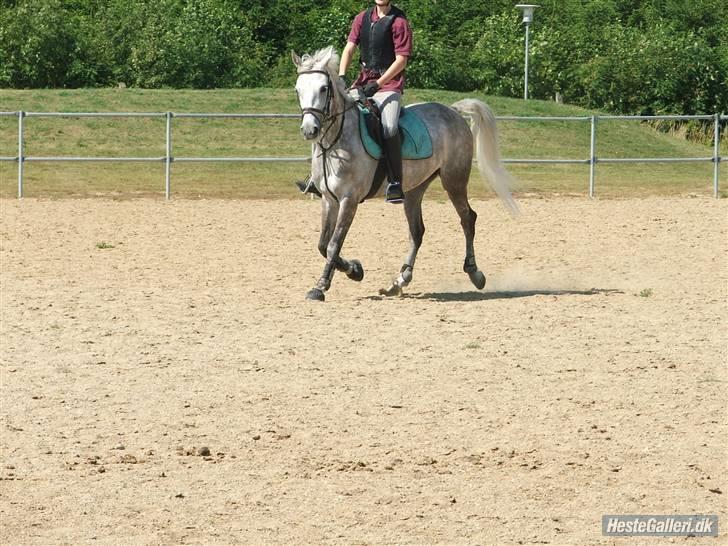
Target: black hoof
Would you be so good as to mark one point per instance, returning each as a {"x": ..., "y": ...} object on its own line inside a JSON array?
[
  {"x": 478, "y": 279},
  {"x": 357, "y": 271},
  {"x": 315, "y": 295}
]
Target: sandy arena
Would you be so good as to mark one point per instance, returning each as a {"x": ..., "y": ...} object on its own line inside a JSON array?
[{"x": 164, "y": 381}]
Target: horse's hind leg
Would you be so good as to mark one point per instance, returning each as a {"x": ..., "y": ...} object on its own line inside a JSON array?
[
  {"x": 413, "y": 212},
  {"x": 458, "y": 194}
]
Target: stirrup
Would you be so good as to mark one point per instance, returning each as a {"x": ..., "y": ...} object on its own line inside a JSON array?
[
  {"x": 394, "y": 193},
  {"x": 307, "y": 186}
]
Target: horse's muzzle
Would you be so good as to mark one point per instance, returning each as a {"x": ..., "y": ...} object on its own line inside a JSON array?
[
  {"x": 309, "y": 134},
  {"x": 310, "y": 127}
]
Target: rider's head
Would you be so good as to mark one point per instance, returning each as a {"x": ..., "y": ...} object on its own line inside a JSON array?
[{"x": 383, "y": 6}]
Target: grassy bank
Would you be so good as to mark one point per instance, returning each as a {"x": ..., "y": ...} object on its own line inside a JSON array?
[{"x": 264, "y": 138}]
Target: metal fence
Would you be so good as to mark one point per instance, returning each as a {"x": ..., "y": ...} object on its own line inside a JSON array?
[{"x": 169, "y": 158}]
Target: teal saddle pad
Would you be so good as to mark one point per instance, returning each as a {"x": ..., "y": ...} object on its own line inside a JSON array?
[{"x": 416, "y": 141}]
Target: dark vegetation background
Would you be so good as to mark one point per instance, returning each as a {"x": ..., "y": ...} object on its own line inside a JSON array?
[{"x": 623, "y": 56}]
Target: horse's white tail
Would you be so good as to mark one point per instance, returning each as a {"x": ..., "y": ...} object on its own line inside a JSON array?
[{"x": 486, "y": 150}]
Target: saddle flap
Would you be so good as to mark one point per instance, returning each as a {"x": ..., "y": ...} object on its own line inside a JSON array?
[{"x": 416, "y": 140}]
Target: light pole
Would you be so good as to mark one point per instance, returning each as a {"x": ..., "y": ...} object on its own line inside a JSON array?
[{"x": 527, "y": 20}]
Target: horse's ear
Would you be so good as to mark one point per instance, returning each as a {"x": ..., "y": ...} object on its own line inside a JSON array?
[
  {"x": 327, "y": 54},
  {"x": 296, "y": 59}
]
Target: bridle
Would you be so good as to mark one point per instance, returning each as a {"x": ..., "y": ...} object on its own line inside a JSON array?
[
  {"x": 323, "y": 117},
  {"x": 327, "y": 108}
]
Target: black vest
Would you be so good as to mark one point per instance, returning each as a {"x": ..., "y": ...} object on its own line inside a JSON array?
[{"x": 375, "y": 41}]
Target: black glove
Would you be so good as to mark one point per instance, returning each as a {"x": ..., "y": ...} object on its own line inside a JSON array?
[
  {"x": 370, "y": 89},
  {"x": 342, "y": 79}
]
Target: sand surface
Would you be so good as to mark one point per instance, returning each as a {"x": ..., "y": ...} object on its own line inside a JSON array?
[{"x": 164, "y": 381}]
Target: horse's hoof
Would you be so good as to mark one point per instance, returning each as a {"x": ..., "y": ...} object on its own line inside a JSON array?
[
  {"x": 394, "y": 290},
  {"x": 478, "y": 279},
  {"x": 315, "y": 295},
  {"x": 357, "y": 271}
]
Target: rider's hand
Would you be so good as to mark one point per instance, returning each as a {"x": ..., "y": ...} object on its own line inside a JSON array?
[
  {"x": 370, "y": 89},
  {"x": 342, "y": 79}
]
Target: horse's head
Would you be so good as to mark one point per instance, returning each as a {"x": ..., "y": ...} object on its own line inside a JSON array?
[{"x": 316, "y": 88}]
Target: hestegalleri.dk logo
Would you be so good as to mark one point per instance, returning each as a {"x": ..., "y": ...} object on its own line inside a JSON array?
[{"x": 660, "y": 526}]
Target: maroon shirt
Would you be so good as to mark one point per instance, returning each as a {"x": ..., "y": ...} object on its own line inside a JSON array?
[{"x": 402, "y": 37}]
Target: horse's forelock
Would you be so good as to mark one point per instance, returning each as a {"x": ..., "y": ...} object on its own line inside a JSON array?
[{"x": 323, "y": 59}]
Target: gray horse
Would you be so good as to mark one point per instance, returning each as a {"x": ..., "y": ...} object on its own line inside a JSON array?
[{"x": 343, "y": 171}]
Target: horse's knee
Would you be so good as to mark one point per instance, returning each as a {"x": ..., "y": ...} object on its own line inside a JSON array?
[
  {"x": 322, "y": 247},
  {"x": 331, "y": 250}
]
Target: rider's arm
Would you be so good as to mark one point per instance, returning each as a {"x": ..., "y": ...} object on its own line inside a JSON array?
[
  {"x": 399, "y": 64},
  {"x": 402, "y": 38},
  {"x": 346, "y": 57}
]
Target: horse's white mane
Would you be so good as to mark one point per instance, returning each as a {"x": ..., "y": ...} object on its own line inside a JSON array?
[{"x": 325, "y": 59}]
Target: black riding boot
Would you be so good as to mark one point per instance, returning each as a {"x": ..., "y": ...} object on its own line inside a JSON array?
[
  {"x": 307, "y": 186},
  {"x": 393, "y": 154}
]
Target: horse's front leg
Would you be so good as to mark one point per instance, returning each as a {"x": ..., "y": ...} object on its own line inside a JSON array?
[
  {"x": 329, "y": 214},
  {"x": 331, "y": 241}
]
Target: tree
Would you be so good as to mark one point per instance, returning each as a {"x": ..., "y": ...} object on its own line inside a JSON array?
[{"x": 38, "y": 47}]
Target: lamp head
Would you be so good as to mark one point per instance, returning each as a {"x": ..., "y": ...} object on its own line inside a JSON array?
[{"x": 527, "y": 11}]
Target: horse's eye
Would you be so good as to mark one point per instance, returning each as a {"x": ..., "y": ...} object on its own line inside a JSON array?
[{"x": 324, "y": 88}]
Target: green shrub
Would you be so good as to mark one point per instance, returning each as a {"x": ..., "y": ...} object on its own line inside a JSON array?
[{"x": 624, "y": 56}]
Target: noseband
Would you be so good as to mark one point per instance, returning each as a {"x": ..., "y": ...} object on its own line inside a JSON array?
[{"x": 313, "y": 111}]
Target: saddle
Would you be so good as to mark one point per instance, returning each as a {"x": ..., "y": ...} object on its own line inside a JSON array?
[
  {"x": 416, "y": 141},
  {"x": 415, "y": 138}
]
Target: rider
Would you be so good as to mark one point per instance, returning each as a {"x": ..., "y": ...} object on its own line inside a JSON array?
[{"x": 385, "y": 40}]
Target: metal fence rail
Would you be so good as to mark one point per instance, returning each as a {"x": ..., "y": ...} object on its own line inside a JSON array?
[{"x": 168, "y": 158}]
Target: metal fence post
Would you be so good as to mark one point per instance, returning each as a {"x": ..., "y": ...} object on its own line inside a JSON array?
[
  {"x": 716, "y": 154},
  {"x": 525, "y": 76},
  {"x": 592, "y": 155},
  {"x": 168, "y": 158},
  {"x": 21, "y": 158}
]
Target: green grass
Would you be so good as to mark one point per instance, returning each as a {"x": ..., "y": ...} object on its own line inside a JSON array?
[{"x": 219, "y": 138}]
